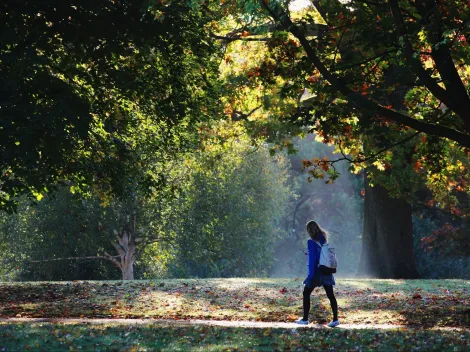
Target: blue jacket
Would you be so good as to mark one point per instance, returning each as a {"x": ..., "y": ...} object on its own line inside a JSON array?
[{"x": 315, "y": 278}]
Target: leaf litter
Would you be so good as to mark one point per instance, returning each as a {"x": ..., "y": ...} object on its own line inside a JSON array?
[{"x": 426, "y": 303}]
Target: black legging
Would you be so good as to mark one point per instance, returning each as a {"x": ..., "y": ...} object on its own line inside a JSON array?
[{"x": 331, "y": 296}]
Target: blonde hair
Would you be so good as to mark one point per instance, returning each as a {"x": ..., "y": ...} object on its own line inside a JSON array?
[{"x": 314, "y": 229}]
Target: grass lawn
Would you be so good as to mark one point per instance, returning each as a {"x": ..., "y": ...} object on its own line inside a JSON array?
[
  {"x": 81, "y": 337},
  {"x": 419, "y": 304}
]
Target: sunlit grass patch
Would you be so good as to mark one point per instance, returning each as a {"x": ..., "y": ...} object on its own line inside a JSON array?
[{"x": 413, "y": 302}]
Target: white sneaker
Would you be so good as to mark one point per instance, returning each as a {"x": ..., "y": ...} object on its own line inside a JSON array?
[
  {"x": 301, "y": 321},
  {"x": 333, "y": 324}
]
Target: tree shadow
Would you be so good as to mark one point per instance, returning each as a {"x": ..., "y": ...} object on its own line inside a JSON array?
[
  {"x": 157, "y": 337},
  {"x": 56, "y": 299},
  {"x": 236, "y": 299}
]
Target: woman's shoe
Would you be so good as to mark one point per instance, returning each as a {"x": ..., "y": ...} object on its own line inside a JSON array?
[
  {"x": 301, "y": 322},
  {"x": 333, "y": 324}
]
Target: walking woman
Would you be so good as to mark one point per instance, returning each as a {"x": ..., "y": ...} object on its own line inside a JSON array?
[{"x": 315, "y": 278}]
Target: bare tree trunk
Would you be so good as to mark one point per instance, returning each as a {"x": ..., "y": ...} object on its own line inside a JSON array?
[
  {"x": 126, "y": 247},
  {"x": 128, "y": 271},
  {"x": 387, "y": 243}
]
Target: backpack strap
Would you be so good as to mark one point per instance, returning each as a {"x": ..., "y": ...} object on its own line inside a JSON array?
[
  {"x": 318, "y": 259},
  {"x": 318, "y": 243}
]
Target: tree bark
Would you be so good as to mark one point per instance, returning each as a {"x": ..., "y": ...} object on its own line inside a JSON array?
[
  {"x": 128, "y": 270},
  {"x": 387, "y": 243},
  {"x": 126, "y": 247}
]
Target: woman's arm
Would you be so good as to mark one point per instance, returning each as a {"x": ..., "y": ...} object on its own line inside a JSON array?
[{"x": 312, "y": 258}]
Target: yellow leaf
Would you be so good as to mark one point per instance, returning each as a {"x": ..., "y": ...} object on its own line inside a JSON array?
[{"x": 379, "y": 165}]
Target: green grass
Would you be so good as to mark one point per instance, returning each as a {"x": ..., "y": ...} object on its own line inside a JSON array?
[{"x": 67, "y": 337}]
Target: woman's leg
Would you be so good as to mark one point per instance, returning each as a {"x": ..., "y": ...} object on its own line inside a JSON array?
[
  {"x": 306, "y": 301},
  {"x": 331, "y": 296}
]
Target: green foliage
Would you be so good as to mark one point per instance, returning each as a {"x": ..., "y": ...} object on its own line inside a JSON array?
[
  {"x": 39, "y": 238},
  {"x": 57, "y": 227},
  {"x": 218, "y": 216},
  {"x": 229, "y": 214},
  {"x": 80, "y": 79}
]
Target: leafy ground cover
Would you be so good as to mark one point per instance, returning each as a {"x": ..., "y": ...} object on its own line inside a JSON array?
[
  {"x": 167, "y": 337},
  {"x": 426, "y": 303}
]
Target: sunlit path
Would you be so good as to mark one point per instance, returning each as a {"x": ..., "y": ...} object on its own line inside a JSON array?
[{"x": 221, "y": 323}]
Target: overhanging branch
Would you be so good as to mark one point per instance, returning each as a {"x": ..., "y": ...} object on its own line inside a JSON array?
[
  {"x": 356, "y": 99},
  {"x": 229, "y": 39}
]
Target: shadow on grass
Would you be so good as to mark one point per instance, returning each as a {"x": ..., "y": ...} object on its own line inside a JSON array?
[
  {"x": 57, "y": 299},
  {"x": 427, "y": 303},
  {"x": 66, "y": 337}
]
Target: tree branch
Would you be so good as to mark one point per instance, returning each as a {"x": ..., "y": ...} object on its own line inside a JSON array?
[
  {"x": 230, "y": 39},
  {"x": 238, "y": 115},
  {"x": 378, "y": 56},
  {"x": 414, "y": 62},
  {"x": 72, "y": 258},
  {"x": 355, "y": 98},
  {"x": 375, "y": 155},
  {"x": 118, "y": 248},
  {"x": 113, "y": 259},
  {"x": 444, "y": 63}
]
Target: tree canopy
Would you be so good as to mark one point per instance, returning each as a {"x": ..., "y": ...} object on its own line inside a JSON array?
[
  {"x": 386, "y": 82},
  {"x": 81, "y": 77},
  {"x": 128, "y": 102}
]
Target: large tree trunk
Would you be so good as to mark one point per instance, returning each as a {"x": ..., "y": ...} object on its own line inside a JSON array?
[{"x": 387, "y": 243}]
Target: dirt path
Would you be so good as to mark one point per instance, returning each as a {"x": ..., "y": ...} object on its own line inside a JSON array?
[{"x": 222, "y": 323}]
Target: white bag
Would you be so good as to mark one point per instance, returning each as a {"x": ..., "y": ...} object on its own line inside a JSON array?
[{"x": 327, "y": 262}]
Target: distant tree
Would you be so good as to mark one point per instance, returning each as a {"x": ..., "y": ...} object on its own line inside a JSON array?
[
  {"x": 231, "y": 210},
  {"x": 37, "y": 235},
  {"x": 66, "y": 236},
  {"x": 218, "y": 215}
]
